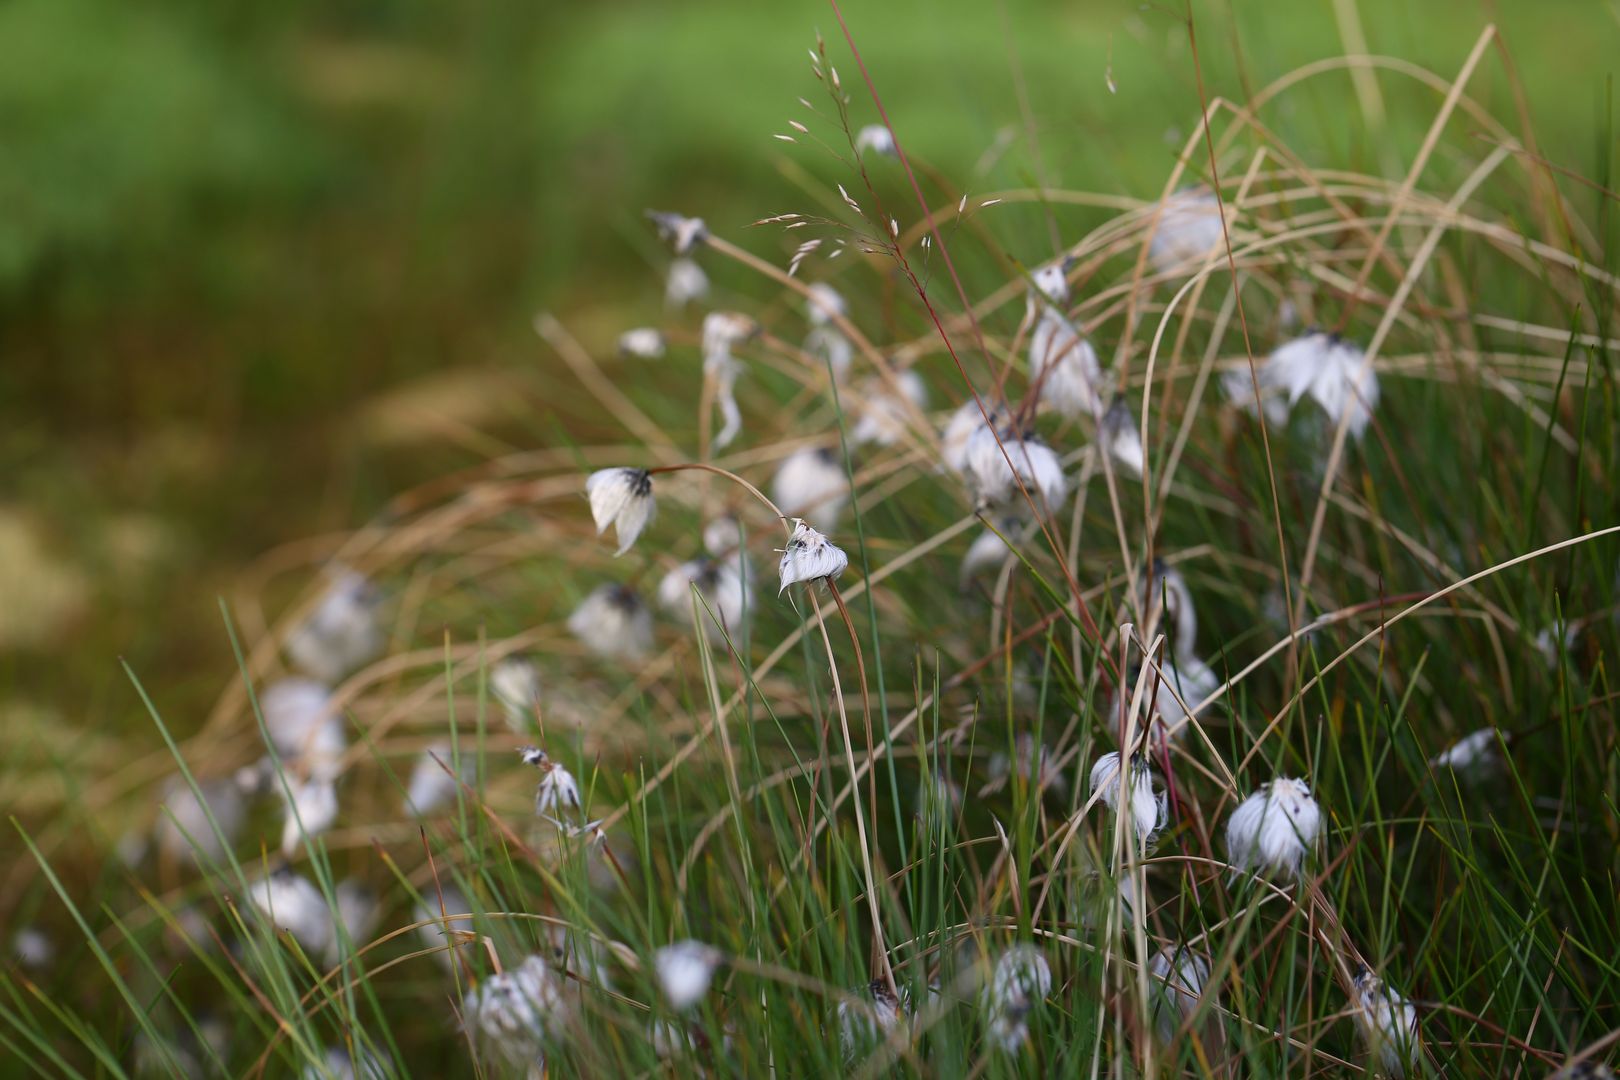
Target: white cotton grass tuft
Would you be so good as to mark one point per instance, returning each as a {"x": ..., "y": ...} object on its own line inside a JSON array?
[
  {"x": 304, "y": 727},
  {"x": 722, "y": 332},
  {"x": 32, "y": 948},
  {"x": 342, "y": 632},
  {"x": 1188, "y": 230},
  {"x": 682, "y": 234},
  {"x": 1274, "y": 829},
  {"x": 1120, "y": 439},
  {"x": 182, "y": 829},
  {"x": 998, "y": 461},
  {"x": 338, "y": 1064},
  {"x": 723, "y": 537},
  {"x": 1475, "y": 754},
  {"x": 723, "y": 590},
  {"x": 1063, "y": 366},
  {"x": 883, "y": 413},
  {"x": 289, "y": 902},
  {"x": 513, "y": 1013},
  {"x": 558, "y": 791},
  {"x": 1180, "y": 679},
  {"x": 862, "y": 1024},
  {"x": 1148, "y": 811},
  {"x": 685, "y": 970},
  {"x": 685, "y": 284},
  {"x": 1179, "y": 979},
  {"x": 622, "y": 498},
  {"x": 959, "y": 430},
  {"x": 876, "y": 138},
  {"x": 309, "y": 808},
  {"x": 810, "y": 556},
  {"x": 1554, "y": 646},
  {"x": 826, "y": 344},
  {"x": 515, "y": 684},
  {"x": 642, "y": 343},
  {"x": 1333, "y": 372},
  {"x": 991, "y": 547},
  {"x": 1387, "y": 1023},
  {"x": 1019, "y": 983},
  {"x": 435, "y": 781},
  {"x": 613, "y": 623},
  {"x": 811, "y": 482},
  {"x": 1238, "y": 387}
]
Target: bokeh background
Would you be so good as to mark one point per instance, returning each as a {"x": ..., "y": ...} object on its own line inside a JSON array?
[{"x": 264, "y": 264}]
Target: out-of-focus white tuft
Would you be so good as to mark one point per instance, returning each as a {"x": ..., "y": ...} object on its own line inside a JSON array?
[
  {"x": 723, "y": 590},
  {"x": 811, "y": 482},
  {"x": 883, "y": 413},
  {"x": 684, "y": 972},
  {"x": 438, "y": 911},
  {"x": 877, "y": 138},
  {"x": 342, "y": 631},
  {"x": 1388, "y": 1025},
  {"x": 990, "y": 548},
  {"x": 613, "y": 623},
  {"x": 182, "y": 829},
  {"x": 32, "y": 948},
  {"x": 959, "y": 430},
  {"x": 289, "y": 902},
  {"x": 1018, "y": 984},
  {"x": 304, "y": 727},
  {"x": 642, "y": 342},
  {"x": 624, "y": 499},
  {"x": 1148, "y": 811},
  {"x": 1188, "y": 230},
  {"x": 1032, "y": 762},
  {"x": 514, "y": 1012},
  {"x": 1120, "y": 438},
  {"x": 810, "y": 556},
  {"x": 358, "y": 914},
  {"x": 309, "y": 807},
  {"x": 722, "y": 332},
  {"x": 1274, "y": 829},
  {"x": 515, "y": 682},
  {"x": 1179, "y": 978},
  {"x": 1333, "y": 372},
  {"x": 434, "y": 779},
  {"x": 1238, "y": 387},
  {"x": 1473, "y": 755},
  {"x": 681, "y": 233},
  {"x": 685, "y": 284},
  {"x": 1063, "y": 367},
  {"x": 826, "y": 343},
  {"x": 861, "y": 1025},
  {"x": 997, "y": 461}
]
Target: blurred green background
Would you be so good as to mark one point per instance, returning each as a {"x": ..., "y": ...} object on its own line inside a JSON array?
[{"x": 263, "y": 264}]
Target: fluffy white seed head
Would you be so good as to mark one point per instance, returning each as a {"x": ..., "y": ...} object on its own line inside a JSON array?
[
  {"x": 304, "y": 727},
  {"x": 995, "y": 467},
  {"x": 1238, "y": 387},
  {"x": 308, "y": 807},
  {"x": 515, "y": 683},
  {"x": 958, "y": 432},
  {"x": 685, "y": 284},
  {"x": 990, "y": 548},
  {"x": 1019, "y": 983},
  {"x": 622, "y": 498},
  {"x": 724, "y": 331},
  {"x": 342, "y": 632},
  {"x": 883, "y": 412},
  {"x": 558, "y": 791},
  {"x": 182, "y": 829},
  {"x": 1189, "y": 229},
  {"x": 877, "y": 138},
  {"x": 1120, "y": 438},
  {"x": 1388, "y": 1025},
  {"x": 513, "y": 1012},
  {"x": 862, "y": 1024},
  {"x": 1179, "y": 978},
  {"x": 1475, "y": 754},
  {"x": 1332, "y": 371},
  {"x": 1274, "y": 829},
  {"x": 684, "y": 972},
  {"x": 810, "y": 556},
  {"x": 1049, "y": 287},
  {"x": 723, "y": 537},
  {"x": 32, "y": 948},
  {"x": 723, "y": 591},
  {"x": 287, "y": 901},
  {"x": 1147, "y": 810},
  {"x": 434, "y": 781},
  {"x": 681, "y": 233},
  {"x": 811, "y": 482},
  {"x": 613, "y": 623},
  {"x": 823, "y": 303},
  {"x": 642, "y": 342},
  {"x": 1064, "y": 366}
]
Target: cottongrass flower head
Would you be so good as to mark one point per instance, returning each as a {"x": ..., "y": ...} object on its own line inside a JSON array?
[
  {"x": 723, "y": 537},
  {"x": 1148, "y": 811},
  {"x": 876, "y": 138},
  {"x": 434, "y": 780},
  {"x": 624, "y": 499},
  {"x": 31, "y": 948},
  {"x": 685, "y": 284},
  {"x": 558, "y": 790},
  {"x": 342, "y": 632},
  {"x": 860, "y": 1024},
  {"x": 810, "y": 556},
  {"x": 1274, "y": 829},
  {"x": 1179, "y": 978},
  {"x": 338, "y": 1064},
  {"x": 1332, "y": 371},
  {"x": 1120, "y": 439},
  {"x": 685, "y": 970},
  {"x": 1018, "y": 984},
  {"x": 959, "y": 431},
  {"x": 1062, "y": 363},
  {"x": 998, "y": 461},
  {"x": 811, "y": 482},
  {"x": 1388, "y": 1025},
  {"x": 991, "y": 548},
  {"x": 515, "y": 682},
  {"x": 513, "y": 1013},
  {"x": 182, "y": 829},
  {"x": 613, "y": 623},
  {"x": 304, "y": 727},
  {"x": 1473, "y": 755},
  {"x": 309, "y": 808},
  {"x": 723, "y": 590},
  {"x": 1189, "y": 228},
  {"x": 1178, "y": 680},
  {"x": 642, "y": 342},
  {"x": 826, "y": 343},
  {"x": 683, "y": 234},
  {"x": 883, "y": 412},
  {"x": 1238, "y": 387},
  {"x": 290, "y": 902},
  {"x": 722, "y": 332}
]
